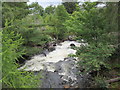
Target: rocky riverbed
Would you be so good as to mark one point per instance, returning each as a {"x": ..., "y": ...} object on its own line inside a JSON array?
[{"x": 58, "y": 70}]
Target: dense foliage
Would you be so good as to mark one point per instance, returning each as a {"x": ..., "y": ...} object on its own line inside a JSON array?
[
  {"x": 11, "y": 11},
  {"x": 62, "y": 16},
  {"x": 55, "y": 27},
  {"x": 50, "y": 9},
  {"x": 36, "y": 9},
  {"x": 11, "y": 76},
  {"x": 70, "y": 6},
  {"x": 31, "y": 32},
  {"x": 12, "y": 42},
  {"x": 91, "y": 26}
]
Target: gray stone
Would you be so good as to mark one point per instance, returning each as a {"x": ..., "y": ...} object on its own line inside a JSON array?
[
  {"x": 51, "y": 80},
  {"x": 84, "y": 81}
]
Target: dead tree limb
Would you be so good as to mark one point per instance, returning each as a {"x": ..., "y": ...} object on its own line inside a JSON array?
[{"x": 113, "y": 80}]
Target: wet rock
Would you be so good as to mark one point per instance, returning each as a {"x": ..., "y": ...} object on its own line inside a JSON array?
[
  {"x": 44, "y": 53},
  {"x": 69, "y": 58},
  {"x": 72, "y": 45},
  {"x": 67, "y": 70},
  {"x": 54, "y": 44},
  {"x": 64, "y": 72},
  {"x": 51, "y": 48},
  {"x": 65, "y": 77},
  {"x": 36, "y": 72},
  {"x": 59, "y": 44},
  {"x": 64, "y": 82},
  {"x": 51, "y": 80},
  {"x": 85, "y": 81},
  {"x": 74, "y": 84}
]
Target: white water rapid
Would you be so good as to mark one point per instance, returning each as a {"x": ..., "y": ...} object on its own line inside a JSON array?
[
  {"x": 61, "y": 51},
  {"x": 57, "y": 63}
]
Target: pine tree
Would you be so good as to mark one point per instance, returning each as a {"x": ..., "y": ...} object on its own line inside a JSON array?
[
  {"x": 50, "y": 9},
  {"x": 70, "y": 6},
  {"x": 12, "y": 49},
  {"x": 90, "y": 25},
  {"x": 11, "y": 11},
  {"x": 61, "y": 16},
  {"x": 36, "y": 9}
]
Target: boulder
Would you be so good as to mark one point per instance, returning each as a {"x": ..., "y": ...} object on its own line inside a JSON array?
[
  {"x": 51, "y": 48},
  {"x": 51, "y": 80},
  {"x": 85, "y": 81},
  {"x": 72, "y": 45}
]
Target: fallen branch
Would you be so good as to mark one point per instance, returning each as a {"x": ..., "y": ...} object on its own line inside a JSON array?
[{"x": 113, "y": 80}]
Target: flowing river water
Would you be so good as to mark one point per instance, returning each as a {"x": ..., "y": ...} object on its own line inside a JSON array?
[{"x": 59, "y": 69}]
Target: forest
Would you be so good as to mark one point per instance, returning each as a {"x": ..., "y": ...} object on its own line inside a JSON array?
[{"x": 31, "y": 32}]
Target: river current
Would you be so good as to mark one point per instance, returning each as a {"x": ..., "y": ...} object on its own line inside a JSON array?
[{"x": 57, "y": 66}]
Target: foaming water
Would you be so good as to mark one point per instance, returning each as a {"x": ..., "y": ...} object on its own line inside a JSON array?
[
  {"x": 40, "y": 62},
  {"x": 58, "y": 69}
]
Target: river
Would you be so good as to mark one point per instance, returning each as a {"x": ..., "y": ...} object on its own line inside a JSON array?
[{"x": 59, "y": 69}]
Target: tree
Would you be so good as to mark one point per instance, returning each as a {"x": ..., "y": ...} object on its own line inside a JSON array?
[
  {"x": 70, "y": 6},
  {"x": 32, "y": 33},
  {"x": 51, "y": 21},
  {"x": 11, "y": 76},
  {"x": 36, "y": 9},
  {"x": 11, "y": 11},
  {"x": 50, "y": 9},
  {"x": 89, "y": 24},
  {"x": 61, "y": 16},
  {"x": 12, "y": 42},
  {"x": 112, "y": 17}
]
